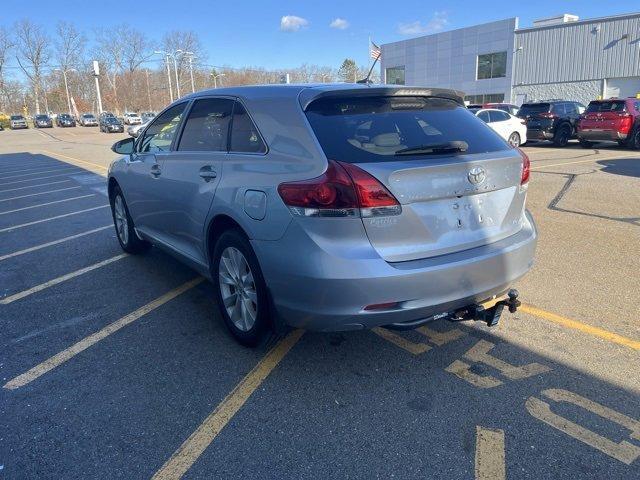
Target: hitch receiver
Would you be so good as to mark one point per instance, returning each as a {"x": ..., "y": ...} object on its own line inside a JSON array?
[{"x": 491, "y": 316}]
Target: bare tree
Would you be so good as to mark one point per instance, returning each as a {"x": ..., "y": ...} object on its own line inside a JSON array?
[
  {"x": 110, "y": 54},
  {"x": 186, "y": 41},
  {"x": 33, "y": 48},
  {"x": 5, "y": 46},
  {"x": 137, "y": 48},
  {"x": 69, "y": 46}
]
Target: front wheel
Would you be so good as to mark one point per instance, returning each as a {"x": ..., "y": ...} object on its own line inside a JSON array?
[
  {"x": 514, "y": 140},
  {"x": 125, "y": 231},
  {"x": 241, "y": 291}
]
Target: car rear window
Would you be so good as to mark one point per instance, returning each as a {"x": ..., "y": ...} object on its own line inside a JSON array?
[
  {"x": 533, "y": 108},
  {"x": 612, "y": 106},
  {"x": 374, "y": 129}
]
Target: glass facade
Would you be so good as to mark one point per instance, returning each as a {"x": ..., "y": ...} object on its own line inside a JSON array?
[
  {"x": 492, "y": 65},
  {"x": 485, "y": 98},
  {"x": 395, "y": 75}
]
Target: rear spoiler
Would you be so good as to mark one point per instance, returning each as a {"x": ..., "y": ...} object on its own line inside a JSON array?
[{"x": 309, "y": 95}]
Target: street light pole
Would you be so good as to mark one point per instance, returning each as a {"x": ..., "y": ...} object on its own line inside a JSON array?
[
  {"x": 175, "y": 70},
  {"x": 166, "y": 58},
  {"x": 193, "y": 87},
  {"x": 66, "y": 85}
]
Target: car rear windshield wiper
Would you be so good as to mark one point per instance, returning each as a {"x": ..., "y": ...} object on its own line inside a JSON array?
[{"x": 435, "y": 148}]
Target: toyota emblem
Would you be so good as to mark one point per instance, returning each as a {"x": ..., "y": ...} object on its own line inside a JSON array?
[{"x": 477, "y": 175}]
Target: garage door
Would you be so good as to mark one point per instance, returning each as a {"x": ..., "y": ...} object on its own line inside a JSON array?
[{"x": 622, "y": 87}]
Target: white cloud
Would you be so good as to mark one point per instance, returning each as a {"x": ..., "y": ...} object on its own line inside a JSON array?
[
  {"x": 339, "y": 23},
  {"x": 438, "y": 22},
  {"x": 291, "y": 23}
]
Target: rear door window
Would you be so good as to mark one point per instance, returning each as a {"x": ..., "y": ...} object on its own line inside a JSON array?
[
  {"x": 245, "y": 137},
  {"x": 376, "y": 129},
  {"x": 497, "y": 116},
  {"x": 207, "y": 126}
]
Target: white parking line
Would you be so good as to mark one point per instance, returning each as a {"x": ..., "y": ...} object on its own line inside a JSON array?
[
  {"x": 54, "y": 242},
  {"x": 61, "y": 166},
  {"x": 34, "y": 179},
  {"x": 15, "y": 227},
  {"x": 58, "y": 280},
  {"x": 67, "y": 354},
  {"x": 33, "y": 186},
  {"x": 39, "y": 193},
  {"x": 38, "y": 173},
  {"x": 47, "y": 203}
]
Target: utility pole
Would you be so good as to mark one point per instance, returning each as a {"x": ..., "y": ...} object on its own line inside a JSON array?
[
  {"x": 66, "y": 85},
  {"x": 148, "y": 91},
  {"x": 175, "y": 70},
  {"x": 96, "y": 74},
  {"x": 169, "y": 76},
  {"x": 191, "y": 57}
]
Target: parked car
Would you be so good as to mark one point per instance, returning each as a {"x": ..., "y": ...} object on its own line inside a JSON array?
[
  {"x": 553, "y": 120},
  {"x": 42, "y": 121},
  {"x": 146, "y": 116},
  {"x": 111, "y": 125},
  {"x": 382, "y": 205},
  {"x": 17, "y": 121},
  {"x": 506, "y": 107},
  {"x": 106, "y": 114},
  {"x": 509, "y": 127},
  {"x": 134, "y": 130},
  {"x": 132, "y": 119},
  {"x": 88, "y": 120},
  {"x": 65, "y": 120},
  {"x": 613, "y": 120}
]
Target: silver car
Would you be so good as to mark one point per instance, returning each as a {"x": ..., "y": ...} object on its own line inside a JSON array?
[{"x": 330, "y": 207}]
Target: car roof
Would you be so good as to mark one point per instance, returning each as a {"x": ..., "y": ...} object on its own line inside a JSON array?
[
  {"x": 492, "y": 110},
  {"x": 309, "y": 92}
]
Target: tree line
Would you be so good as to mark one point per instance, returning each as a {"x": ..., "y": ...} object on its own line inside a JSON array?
[{"x": 133, "y": 72}]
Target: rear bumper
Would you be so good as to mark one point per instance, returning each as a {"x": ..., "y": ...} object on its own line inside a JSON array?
[
  {"x": 315, "y": 290},
  {"x": 539, "y": 134},
  {"x": 596, "y": 135}
]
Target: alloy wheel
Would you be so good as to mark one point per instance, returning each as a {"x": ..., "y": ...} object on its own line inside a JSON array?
[
  {"x": 514, "y": 140},
  {"x": 238, "y": 289},
  {"x": 122, "y": 223}
]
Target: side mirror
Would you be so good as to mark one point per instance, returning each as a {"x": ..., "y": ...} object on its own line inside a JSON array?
[{"x": 124, "y": 147}]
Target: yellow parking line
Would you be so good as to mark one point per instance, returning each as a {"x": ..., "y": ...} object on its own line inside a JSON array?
[
  {"x": 39, "y": 193},
  {"x": 180, "y": 462},
  {"x": 490, "y": 464},
  {"x": 54, "y": 242},
  {"x": 582, "y": 327},
  {"x": 38, "y": 173},
  {"x": 58, "y": 280},
  {"x": 76, "y": 160},
  {"x": 34, "y": 179},
  {"x": 73, "y": 350},
  {"x": 9, "y": 229},
  {"x": 34, "y": 186},
  {"x": 47, "y": 203}
]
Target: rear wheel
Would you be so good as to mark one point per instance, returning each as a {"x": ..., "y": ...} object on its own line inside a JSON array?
[
  {"x": 514, "y": 140},
  {"x": 561, "y": 138},
  {"x": 241, "y": 292},
  {"x": 634, "y": 140},
  {"x": 125, "y": 231},
  {"x": 586, "y": 144}
]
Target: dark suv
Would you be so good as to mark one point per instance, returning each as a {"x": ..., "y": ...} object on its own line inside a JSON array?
[
  {"x": 613, "y": 120},
  {"x": 553, "y": 120}
]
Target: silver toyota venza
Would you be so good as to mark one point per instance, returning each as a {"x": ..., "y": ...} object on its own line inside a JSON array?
[{"x": 329, "y": 207}]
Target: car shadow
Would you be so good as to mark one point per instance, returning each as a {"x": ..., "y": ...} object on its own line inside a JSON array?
[{"x": 625, "y": 167}]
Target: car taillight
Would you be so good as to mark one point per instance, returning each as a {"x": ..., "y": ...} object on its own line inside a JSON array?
[
  {"x": 626, "y": 122},
  {"x": 526, "y": 168},
  {"x": 547, "y": 115},
  {"x": 344, "y": 190}
]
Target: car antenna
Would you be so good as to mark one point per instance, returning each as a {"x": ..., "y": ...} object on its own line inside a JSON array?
[{"x": 366, "y": 80}]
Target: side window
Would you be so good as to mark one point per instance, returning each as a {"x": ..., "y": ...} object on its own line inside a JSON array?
[
  {"x": 207, "y": 126},
  {"x": 499, "y": 116},
  {"x": 580, "y": 108},
  {"x": 558, "y": 109},
  {"x": 159, "y": 135},
  {"x": 484, "y": 116},
  {"x": 244, "y": 134}
]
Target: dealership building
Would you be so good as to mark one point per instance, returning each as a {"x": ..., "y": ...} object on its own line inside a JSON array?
[{"x": 560, "y": 57}]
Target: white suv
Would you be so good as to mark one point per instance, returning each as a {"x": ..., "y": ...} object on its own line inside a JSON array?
[{"x": 132, "y": 119}]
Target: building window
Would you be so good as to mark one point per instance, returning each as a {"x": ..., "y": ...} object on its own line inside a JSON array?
[
  {"x": 492, "y": 65},
  {"x": 485, "y": 98},
  {"x": 395, "y": 75}
]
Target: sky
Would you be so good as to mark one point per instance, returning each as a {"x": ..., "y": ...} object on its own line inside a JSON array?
[{"x": 286, "y": 34}]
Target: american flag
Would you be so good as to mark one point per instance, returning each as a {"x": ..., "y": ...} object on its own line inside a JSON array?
[{"x": 374, "y": 51}]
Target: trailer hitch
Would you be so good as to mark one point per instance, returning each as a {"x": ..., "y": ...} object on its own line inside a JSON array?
[{"x": 491, "y": 315}]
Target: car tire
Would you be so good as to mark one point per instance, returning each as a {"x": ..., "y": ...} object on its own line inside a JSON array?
[
  {"x": 241, "y": 292},
  {"x": 562, "y": 136},
  {"x": 586, "y": 144},
  {"x": 514, "y": 140},
  {"x": 634, "y": 140},
  {"x": 123, "y": 223}
]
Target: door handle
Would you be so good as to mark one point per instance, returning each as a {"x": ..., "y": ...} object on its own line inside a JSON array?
[
  {"x": 155, "y": 171},
  {"x": 207, "y": 173}
]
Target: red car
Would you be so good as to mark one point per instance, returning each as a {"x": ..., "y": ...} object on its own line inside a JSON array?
[{"x": 612, "y": 120}]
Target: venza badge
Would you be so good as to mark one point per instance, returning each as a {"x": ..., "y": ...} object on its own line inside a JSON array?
[{"x": 477, "y": 175}]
